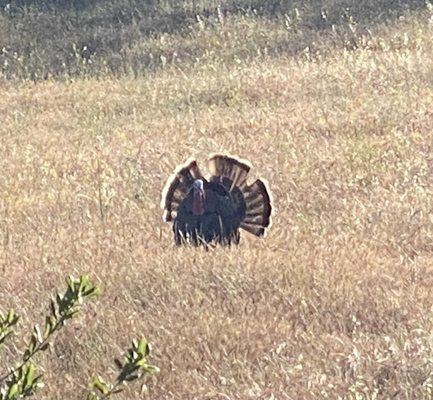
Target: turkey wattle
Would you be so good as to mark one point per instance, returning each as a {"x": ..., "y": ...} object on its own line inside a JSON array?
[{"x": 205, "y": 210}]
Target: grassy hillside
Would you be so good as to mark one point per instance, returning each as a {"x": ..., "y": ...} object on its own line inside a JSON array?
[
  {"x": 40, "y": 39},
  {"x": 335, "y": 303}
]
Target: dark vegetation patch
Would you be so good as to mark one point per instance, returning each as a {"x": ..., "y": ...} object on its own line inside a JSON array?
[{"x": 46, "y": 38}]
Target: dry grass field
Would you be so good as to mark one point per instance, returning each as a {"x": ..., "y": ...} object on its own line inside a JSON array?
[{"x": 336, "y": 302}]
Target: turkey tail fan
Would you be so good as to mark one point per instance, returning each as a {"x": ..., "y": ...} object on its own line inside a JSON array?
[
  {"x": 232, "y": 174},
  {"x": 258, "y": 208},
  {"x": 229, "y": 171},
  {"x": 177, "y": 187}
]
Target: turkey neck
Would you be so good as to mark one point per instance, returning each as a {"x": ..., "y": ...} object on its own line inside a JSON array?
[{"x": 198, "y": 203}]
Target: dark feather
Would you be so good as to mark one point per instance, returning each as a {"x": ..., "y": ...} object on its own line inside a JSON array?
[{"x": 177, "y": 187}]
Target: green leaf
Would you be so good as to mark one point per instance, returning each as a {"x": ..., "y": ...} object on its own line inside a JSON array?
[
  {"x": 38, "y": 333},
  {"x": 84, "y": 282},
  {"x": 99, "y": 384},
  {"x": 13, "y": 392},
  {"x": 143, "y": 348},
  {"x": 151, "y": 369},
  {"x": 53, "y": 308},
  {"x": 28, "y": 375},
  {"x": 32, "y": 344},
  {"x": 140, "y": 363},
  {"x": 5, "y": 336},
  {"x": 26, "y": 354},
  {"x": 94, "y": 291},
  {"x": 10, "y": 316},
  {"x": 48, "y": 326}
]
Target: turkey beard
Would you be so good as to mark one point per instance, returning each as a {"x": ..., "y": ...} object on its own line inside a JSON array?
[{"x": 198, "y": 203}]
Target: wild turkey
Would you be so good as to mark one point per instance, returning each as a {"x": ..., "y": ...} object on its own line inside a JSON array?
[{"x": 205, "y": 210}]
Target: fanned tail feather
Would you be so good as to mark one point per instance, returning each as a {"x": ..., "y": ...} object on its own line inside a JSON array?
[
  {"x": 232, "y": 173},
  {"x": 222, "y": 166},
  {"x": 259, "y": 208},
  {"x": 177, "y": 187}
]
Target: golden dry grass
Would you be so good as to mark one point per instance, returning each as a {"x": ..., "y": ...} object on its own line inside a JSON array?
[{"x": 335, "y": 303}]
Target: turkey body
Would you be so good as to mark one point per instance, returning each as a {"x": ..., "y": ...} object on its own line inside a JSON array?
[
  {"x": 220, "y": 221},
  {"x": 212, "y": 209}
]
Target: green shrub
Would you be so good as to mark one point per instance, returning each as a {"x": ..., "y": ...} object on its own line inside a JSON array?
[{"x": 23, "y": 379}]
